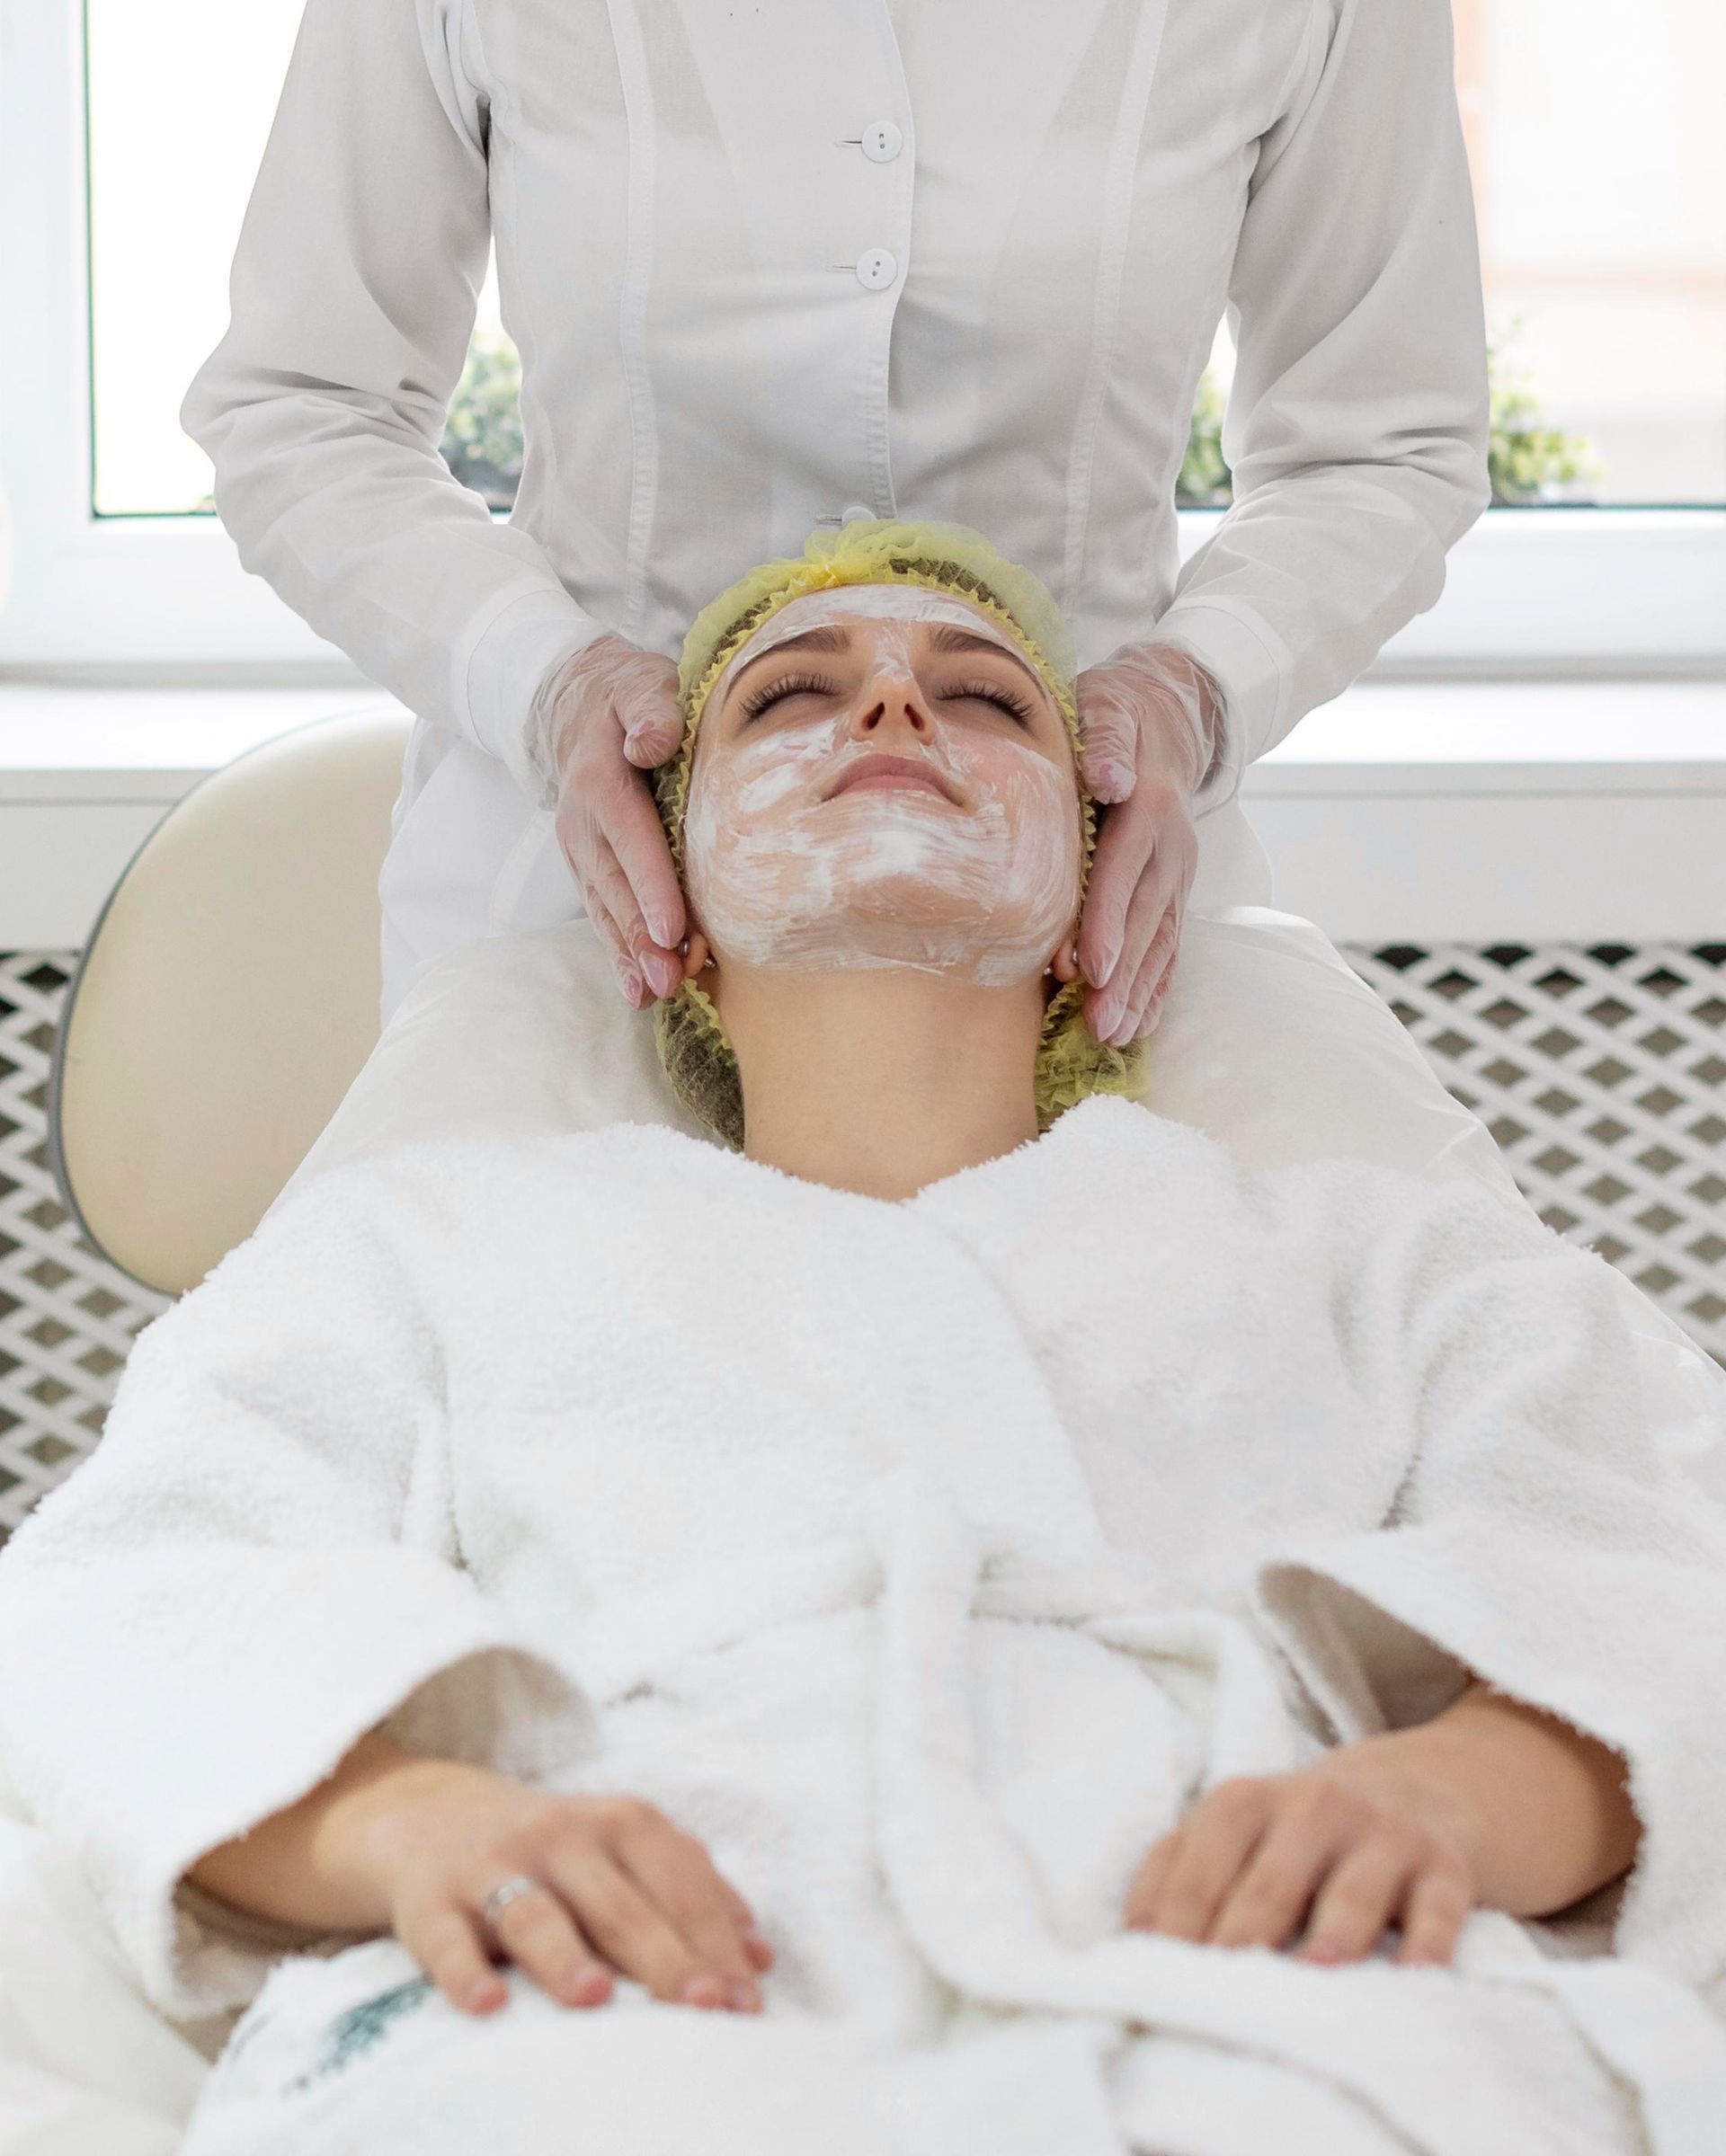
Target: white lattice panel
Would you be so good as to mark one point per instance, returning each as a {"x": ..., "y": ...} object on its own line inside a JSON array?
[
  {"x": 1600, "y": 1072},
  {"x": 67, "y": 1318}
]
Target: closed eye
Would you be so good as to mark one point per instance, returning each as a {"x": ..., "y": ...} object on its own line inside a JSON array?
[
  {"x": 759, "y": 699},
  {"x": 1020, "y": 708}
]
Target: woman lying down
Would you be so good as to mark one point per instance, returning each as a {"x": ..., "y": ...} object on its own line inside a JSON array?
[{"x": 949, "y": 1620}]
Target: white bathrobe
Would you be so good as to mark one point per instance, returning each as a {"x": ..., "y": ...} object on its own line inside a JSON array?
[{"x": 927, "y": 1561}]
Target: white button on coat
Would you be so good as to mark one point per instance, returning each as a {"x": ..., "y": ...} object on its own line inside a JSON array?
[
  {"x": 677, "y": 193},
  {"x": 875, "y": 268}
]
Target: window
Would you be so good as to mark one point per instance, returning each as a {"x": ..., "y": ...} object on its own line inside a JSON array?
[
  {"x": 1599, "y": 172},
  {"x": 181, "y": 96},
  {"x": 1606, "y": 294},
  {"x": 1599, "y": 169},
  {"x": 179, "y": 99},
  {"x": 1600, "y": 181}
]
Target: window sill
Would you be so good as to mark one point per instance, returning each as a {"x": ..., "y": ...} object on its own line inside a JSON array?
[{"x": 1505, "y": 809}]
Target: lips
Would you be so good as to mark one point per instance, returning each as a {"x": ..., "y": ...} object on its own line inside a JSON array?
[{"x": 878, "y": 765}]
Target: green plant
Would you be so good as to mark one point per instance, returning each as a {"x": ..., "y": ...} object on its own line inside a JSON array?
[
  {"x": 1525, "y": 462},
  {"x": 482, "y": 436},
  {"x": 1529, "y": 463},
  {"x": 1204, "y": 481}
]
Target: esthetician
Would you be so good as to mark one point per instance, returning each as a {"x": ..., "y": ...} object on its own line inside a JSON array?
[{"x": 782, "y": 266}]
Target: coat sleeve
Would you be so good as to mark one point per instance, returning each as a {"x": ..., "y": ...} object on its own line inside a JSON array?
[
  {"x": 1356, "y": 427},
  {"x": 1541, "y": 1538},
  {"x": 255, "y": 1567},
  {"x": 353, "y": 292}
]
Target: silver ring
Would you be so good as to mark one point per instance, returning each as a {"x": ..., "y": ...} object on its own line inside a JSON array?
[{"x": 495, "y": 1902}]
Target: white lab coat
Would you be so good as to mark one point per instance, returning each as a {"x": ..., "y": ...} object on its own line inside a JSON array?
[{"x": 768, "y": 267}]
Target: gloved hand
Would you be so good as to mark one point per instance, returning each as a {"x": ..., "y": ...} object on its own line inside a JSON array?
[
  {"x": 1152, "y": 721},
  {"x": 602, "y": 719}
]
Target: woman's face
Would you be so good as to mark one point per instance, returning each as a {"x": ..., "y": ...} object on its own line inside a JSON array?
[{"x": 803, "y": 850}]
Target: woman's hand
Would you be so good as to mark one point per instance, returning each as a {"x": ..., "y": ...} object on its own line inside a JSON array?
[
  {"x": 611, "y": 713},
  {"x": 1149, "y": 718},
  {"x": 625, "y": 1889},
  {"x": 1368, "y": 1836}
]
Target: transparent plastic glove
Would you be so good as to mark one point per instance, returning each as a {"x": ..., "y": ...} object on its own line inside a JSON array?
[
  {"x": 602, "y": 719},
  {"x": 1151, "y": 719}
]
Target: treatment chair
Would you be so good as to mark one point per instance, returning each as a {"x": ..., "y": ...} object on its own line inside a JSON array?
[{"x": 219, "y": 1046}]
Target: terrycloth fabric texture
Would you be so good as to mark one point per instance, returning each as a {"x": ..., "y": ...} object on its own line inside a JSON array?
[
  {"x": 698, "y": 1061},
  {"x": 87, "y": 2066},
  {"x": 926, "y": 1560}
]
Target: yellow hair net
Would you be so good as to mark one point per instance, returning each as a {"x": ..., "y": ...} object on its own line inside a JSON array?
[{"x": 697, "y": 1058}]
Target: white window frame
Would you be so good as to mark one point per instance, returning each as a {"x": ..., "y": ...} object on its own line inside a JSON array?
[{"x": 1544, "y": 592}]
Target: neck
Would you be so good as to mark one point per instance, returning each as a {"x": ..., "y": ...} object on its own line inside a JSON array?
[{"x": 880, "y": 1080}]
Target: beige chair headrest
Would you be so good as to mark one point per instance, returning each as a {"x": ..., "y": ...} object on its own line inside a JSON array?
[{"x": 226, "y": 998}]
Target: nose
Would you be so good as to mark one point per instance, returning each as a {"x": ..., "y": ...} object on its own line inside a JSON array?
[{"x": 891, "y": 702}]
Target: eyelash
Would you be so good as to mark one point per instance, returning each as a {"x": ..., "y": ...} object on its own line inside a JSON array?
[{"x": 761, "y": 697}]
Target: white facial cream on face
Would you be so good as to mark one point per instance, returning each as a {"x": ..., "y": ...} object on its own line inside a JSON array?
[
  {"x": 980, "y": 887},
  {"x": 859, "y": 602}
]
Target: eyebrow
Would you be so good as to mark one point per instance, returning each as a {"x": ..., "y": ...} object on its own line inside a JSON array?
[{"x": 946, "y": 637}]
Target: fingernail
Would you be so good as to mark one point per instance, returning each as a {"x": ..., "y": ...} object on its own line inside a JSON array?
[
  {"x": 743, "y": 1995},
  {"x": 660, "y": 928},
  {"x": 703, "y": 1991},
  {"x": 663, "y": 971},
  {"x": 1323, "y": 1950},
  {"x": 1106, "y": 960},
  {"x": 1113, "y": 775},
  {"x": 632, "y": 989}
]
